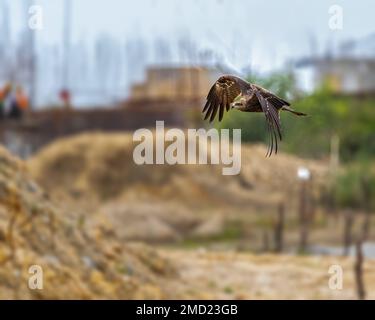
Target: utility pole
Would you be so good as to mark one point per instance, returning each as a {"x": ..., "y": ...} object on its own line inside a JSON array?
[
  {"x": 66, "y": 42},
  {"x": 31, "y": 57},
  {"x": 65, "y": 93},
  {"x": 5, "y": 42}
]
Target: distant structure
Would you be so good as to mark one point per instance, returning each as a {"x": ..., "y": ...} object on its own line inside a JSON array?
[
  {"x": 172, "y": 94},
  {"x": 174, "y": 84},
  {"x": 349, "y": 69},
  {"x": 343, "y": 75}
]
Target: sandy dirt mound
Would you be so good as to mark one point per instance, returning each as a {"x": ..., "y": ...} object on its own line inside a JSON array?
[
  {"x": 77, "y": 262},
  {"x": 95, "y": 173},
  {"x": 102, "y": 165},
  {"x": 88, "y": 259},
  {"x": 152, "y": 221}
]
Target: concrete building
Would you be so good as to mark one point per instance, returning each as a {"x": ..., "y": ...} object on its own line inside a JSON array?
[
  {"x": 174, "y": 83},
  {"x": 344, "y": 75}
]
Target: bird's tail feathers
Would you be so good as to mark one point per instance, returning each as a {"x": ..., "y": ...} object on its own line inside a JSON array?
[{"x": 297, "y": 113}]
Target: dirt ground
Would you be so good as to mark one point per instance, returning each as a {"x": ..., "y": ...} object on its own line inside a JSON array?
[
  {"x": 229, "y": 275},
  {"x": 81, "y": 209},
  {"x": 94, "y": 175}
]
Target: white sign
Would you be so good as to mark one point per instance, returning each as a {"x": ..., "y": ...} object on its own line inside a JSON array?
[{"x": 303, "y": 173}]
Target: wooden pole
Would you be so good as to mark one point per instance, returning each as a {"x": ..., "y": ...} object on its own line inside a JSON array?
[
  {"x": 358, "y": 271},
  {"x": 366, "y": 194},
  {"x": 303, "y": 218},
  {"x": 279, "y": 228},
  {"x": 335, "y": 153},
  {"x": 348, "y": 226},
  {"x": 266, "y": 242},
  {"x": 358, "y": 266}
]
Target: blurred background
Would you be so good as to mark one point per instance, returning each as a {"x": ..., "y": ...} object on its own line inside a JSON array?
[{"x": 78, "y": 77}]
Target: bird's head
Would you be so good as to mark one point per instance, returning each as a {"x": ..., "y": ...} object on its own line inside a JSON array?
[{"x": 239, "y": 103}]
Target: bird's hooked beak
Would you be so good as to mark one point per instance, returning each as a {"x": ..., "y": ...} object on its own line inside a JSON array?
[{"x": 236, "y": 105}]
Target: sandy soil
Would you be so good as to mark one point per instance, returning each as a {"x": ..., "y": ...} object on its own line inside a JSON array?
[
  {"x": 229, "y": 275},
  {"x": 93, "y": 201}
]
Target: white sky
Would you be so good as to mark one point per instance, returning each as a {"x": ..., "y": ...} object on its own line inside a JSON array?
[
  {"x": 263, "y": 33},
  {"x": 256, "y": 33}
]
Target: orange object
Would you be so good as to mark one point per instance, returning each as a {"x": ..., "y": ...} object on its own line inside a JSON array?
[
  {"x": 22, "y": 100},
  {"x": 5, "y": 91}
]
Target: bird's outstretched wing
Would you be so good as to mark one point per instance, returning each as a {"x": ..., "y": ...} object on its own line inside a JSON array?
[
  {"x": 222, "y": 94},
  {"x": 271, "y": 104}
]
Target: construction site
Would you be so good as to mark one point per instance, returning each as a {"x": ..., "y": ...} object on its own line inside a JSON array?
[
  {"x": 76, "y": 206},
  {"x": 174, "y": 95}
]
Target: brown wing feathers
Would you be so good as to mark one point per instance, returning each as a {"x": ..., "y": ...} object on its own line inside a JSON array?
[
  {"x": 272, "y": 117},
  {"x": 227, "y": 88},
  {"x": 220, "y": 96}
]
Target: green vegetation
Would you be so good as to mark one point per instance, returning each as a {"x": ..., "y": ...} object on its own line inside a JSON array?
[
  {"x": 232, "y": 231},
  {"x": 355, "y": 187},
  {"x": 351, "y": 119}
]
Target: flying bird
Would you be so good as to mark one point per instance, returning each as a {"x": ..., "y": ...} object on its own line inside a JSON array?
[{"x": 231, "y": 92}]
